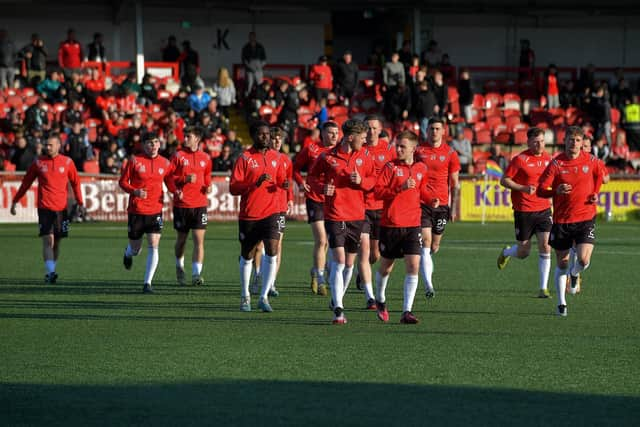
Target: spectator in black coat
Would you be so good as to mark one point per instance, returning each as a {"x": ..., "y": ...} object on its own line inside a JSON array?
[
  {"x": 425, "y": 107},
  {"x": 23, "y": 154},
  {"x": 441, "y": 91},
  {"x": 224, "y": 162},
  {"x": 346, "y": 78}
]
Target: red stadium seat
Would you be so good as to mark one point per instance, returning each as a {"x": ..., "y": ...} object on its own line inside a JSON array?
[
  {"x": 501, "y": 134},
  {"x": 493, "y": 121},
  {"x": 91, "y": 166},
  {"x": 492, "y": 100},
  {"x": 520, "y": 136},
  {"x": 483, "y": 136},
  {"x": 9, "y": 167},
  {"x": 511, "y": 121},
  {"x": 615, "y": 116},
  {"x": 478, "y": 101},
  {"x": 480, "y": 126}
]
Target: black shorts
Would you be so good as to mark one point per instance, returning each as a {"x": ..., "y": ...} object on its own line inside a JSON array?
[
  {"x": 185, "y": 219},
  {"x": 398, "y": 242},
  {"x": 53, "y": 222},
  {"x": 435, "y": 218},
  {"x": 315, "y": 211},
  {"x": 140, "y": 224},
  {"x": 529, "y": 223},
  {"x": 250, "y": 233},
  {"x": 372, "y": 223},
  {"x": 563, "y": 236},
  {"x": 344, "y": 234},
  {"x": 282, "y": 222}
]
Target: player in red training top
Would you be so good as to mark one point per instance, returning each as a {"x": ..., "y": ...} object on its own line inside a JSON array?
[
  {"x": 54, "y": 171},
  {"x": 532, "y": 214},
  {"x": 443, "y": 165},
  {"x": 257, "y": 176},
  {"x": 192, "y": 177},
  {"x": 573, "y": 179},
  {"x": 381, "y": 151},
  {"x": 349, "y": 173},
  {"x": 285, "y": 196},
  {"x": 142, "y": 179},
  {"x": 400, "y": 236},
  {"x": 315, "y": 201}
]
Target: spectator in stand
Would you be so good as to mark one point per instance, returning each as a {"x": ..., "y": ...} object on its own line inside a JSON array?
[
  {"x": 22, "y": 154},
  {"x": 412, "y": 72},
  {"x": 432, "y": 55},
  {"x": 36, "y": 116},
  {"x": 254, "y": 58},
  {"x": 551, "y": 87},
  {"x": 495, "y": 152},
  {"x": 218, "y": 120},
  {"x": 376, "y": 57},
  {"x": 94, "y": 86},
  {"x": 264, "y": 95},
  {"x": 225, "y": 91},
  {"x": 113, "y": 152},
  {"x": 51, "y": 88},
  {"x": 190, "y": 64},
  {"x": 406, "y": 55},
  {"x": 321, "y": 77},
  {"x": 425, "y": 107},
  {"x": 527, "y": 60},
  {"x": 465, "y": 94},
  {"x": 621, "y": 95},
  {"x": 398, "y": 104},
  {"x": 312, "y": 138},
  {"x": 148, "y": 94},
  {"x": 130, "y": 84},
  {"x": 441, "y": 91},
  {"x": 74, "y": 88},
  {"x": 288, "y": 117},
  {"x": 180, "y": 102},
  {"x": 72, "y": 115},
  {"x": 631, "y": 123},
  {"x": 110, "y": 167},
  {"x": 620, "y": 156},
  {"x": 601, "y": 150},
  {"x": 8, "y": 57},
  {"x": 465, "y": 153},
  {"x": 77, "y": 146},
  {"x": 393, "y": 73},
  {"x": 96, "y": 50},
  {"x": 568, "y": 95},
  {"x": 600, "y": 110},
  {"x": 70, "y": 53},
  {"x": 35, "y": 57},
  {"x": 587, "y": 77},
  {"x": 346, "y": 78},
  {"x": 199, "y": 99},
  {"x": 233, "y": 142},
  {"x": 171, "y": 53},
  {"x": 446, "y": 68},
  {"x": 224, "y": 162}
]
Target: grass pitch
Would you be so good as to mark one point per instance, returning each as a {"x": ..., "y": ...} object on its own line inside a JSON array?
[{"x": 93, "y": 350}]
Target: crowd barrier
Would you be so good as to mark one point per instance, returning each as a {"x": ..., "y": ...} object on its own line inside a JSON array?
[{"x": 480, "y": 200}]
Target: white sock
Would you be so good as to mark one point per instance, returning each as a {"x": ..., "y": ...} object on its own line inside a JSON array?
[
  {"x": 381, "y": 286},
  {"x": 268, "y": 273},
  {"x": 410, "y": 287},
  {"x": 196, "y": 268},
  {"x": 180, "y": 262},
  {"x": 50, "y": 266},
  {"x": 426, "y": 268},
  {"x": 511, "y": 251},
  {"x": 346, "y": 278},
  {"x": 336, "y": 282},
  {"x": 578, "y": 268},
  {"x": 245, "y": 276},
  {"x": 368, "y": 291},
  {"x": 152, "y": 264},
  {"x": 544, "y": 266},
  {"x": 561, "y": 284}
]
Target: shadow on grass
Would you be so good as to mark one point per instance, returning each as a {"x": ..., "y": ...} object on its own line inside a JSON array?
[{"x": 257, "y": 403}]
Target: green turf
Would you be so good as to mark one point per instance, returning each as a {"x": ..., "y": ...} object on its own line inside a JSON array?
[{"x": 92, "y": 350}]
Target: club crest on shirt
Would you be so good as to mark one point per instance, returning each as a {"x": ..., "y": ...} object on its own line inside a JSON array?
[
  {"x": 359, "y": 162},
  {"x": 399, "y": 172},
  {"x": 61, "y": 169},
  {"x": 142, "y": 169},
  {"x": 381, "y": 157},
  {"x": 274, "y": 163},
  {"x": 161, "y": 171},
  {"x": 442, "y": 158},
  {"x": 419, "y": 175},
  {"x": 185, "y": 162},
  {"x": 585, "y": 169},
  {"x": 201, "y": 163}
]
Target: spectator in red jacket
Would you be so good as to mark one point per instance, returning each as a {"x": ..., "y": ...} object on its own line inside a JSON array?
[
  {"x": 70, "y": 53},
  {"x": 321, "y": 77}
]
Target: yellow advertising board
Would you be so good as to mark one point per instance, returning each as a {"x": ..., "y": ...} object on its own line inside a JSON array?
[{"x": 489, "y": 201}]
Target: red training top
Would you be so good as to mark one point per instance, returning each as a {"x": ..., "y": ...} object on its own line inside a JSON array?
[
  {"x": 321, "y": 76},
  {"x": 584, "y": 174},
  {"x": 70, "y": 54},
  {"x": 284, "y": 195},
  {"x": 441, "y": 162},
  {"x": 194, "y": 194},
  {"x": 525, "y": 169},
  {"x": 305, "y": 160},
  {"x": 148, "y": 173},
  {"x": 347, "y": 202},
  {"x": 257, "y": 202},
  {"x": 401, "y": 206},
  {"x": 381, "y": 153},
  {"x": 53, "y": 175}
]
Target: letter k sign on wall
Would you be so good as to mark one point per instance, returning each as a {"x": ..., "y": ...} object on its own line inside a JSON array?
[{"x": 221, "y": 43}]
